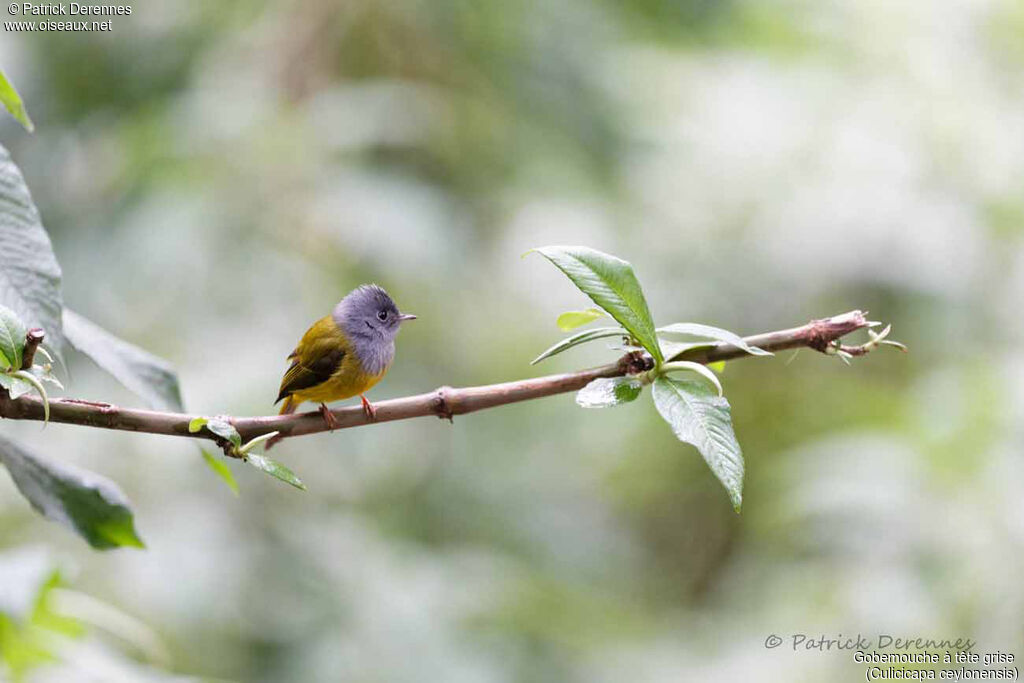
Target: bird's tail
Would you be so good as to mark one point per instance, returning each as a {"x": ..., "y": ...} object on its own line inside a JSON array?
[{"x": 289, "y": 405}]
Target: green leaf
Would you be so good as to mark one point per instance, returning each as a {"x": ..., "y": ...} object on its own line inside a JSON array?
[
  {"x": 47, "y": 615},
  {"x": 221, "y": 469},
  {"x": 12, "y": 339},
  {"x": 31, "y": 629},
  {"x": 570, "y": 320},
  {"x": 219, "y": 426},
  {"x": 606, "y": 392},
  {"x": 716, "y": 333},
  {"x": 87, "y": 503},
  {"x": 42, "y": 351},
  {"x": 150, "y": 378},
  {"x": 611, "y": 284},
  {"x": 22, "y": 649},
  {"x": 580, "y": 338},
  {"x": 673, "y": 350},
  {"x": 29, "y": 274},
  {"x": 701, "y": 418},
  {"x": 225, "y": 429},
  {"x": 690, "y": 366},
  {"x": 12, "y": 101},
  {"x": 718, "y": 366},
  {"x": 34, "y": 382},
  {"x": 15, "y": 386},
  {"x": 274, "y": 469},
  {"x": 257, "y": 440}
]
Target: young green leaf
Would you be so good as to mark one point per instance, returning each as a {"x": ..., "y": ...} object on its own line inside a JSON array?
[
  {"x": 46, "y": 354},
  {"x": 673, "y": 350},
  {"x": 606, "y": 392},
  {"x": 44, "y": 373},
  {"x": 29, "y": 274},
  {"x": 580, "y": 338},
  {"x": 570, "y": 320},
  {"x": 701, "y": 418},
  {"x": 151, "y": 378},
  {"x": 32, "y": 381},
  {"x": 218, "y": 426},
  {"x": 12, "y": 339},
  {"x": 32, "y": 629},
  {"x": 274, "y": 469},
  {"x": 91, "y": 505},
  {"x": 716, "y": 333},
  {"x": 689, "y": 366},
  {"x": 15, "y": 386},
  {"x": 221, "y": 469},
  {"x": 611, "y": 283},
  {"x": 256, "y": 441},
  {"x": 11, "y": 100}
]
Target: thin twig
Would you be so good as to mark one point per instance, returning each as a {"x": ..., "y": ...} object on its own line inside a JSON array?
[
  {"x": 444, "y": 402},
  {"x": 33, "y": 338}
]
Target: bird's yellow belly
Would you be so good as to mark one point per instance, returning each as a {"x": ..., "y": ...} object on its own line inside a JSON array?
[{"x": 348, "y": 381}]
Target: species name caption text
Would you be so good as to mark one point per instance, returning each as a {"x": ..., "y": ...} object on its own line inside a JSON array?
[
  {"x": 70, "y": 9},
  {"x": 891, "y": 658}
]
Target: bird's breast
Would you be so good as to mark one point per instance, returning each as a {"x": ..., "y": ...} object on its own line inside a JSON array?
[{"x": 374, "y": 354}]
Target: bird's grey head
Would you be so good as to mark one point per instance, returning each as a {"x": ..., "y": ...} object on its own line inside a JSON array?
[{"x": 368, "y": 313}]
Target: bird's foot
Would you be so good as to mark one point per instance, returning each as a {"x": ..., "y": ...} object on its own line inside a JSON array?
[
  {"x": 371, "y": 412},
  {"x": 329, "y": 419}
]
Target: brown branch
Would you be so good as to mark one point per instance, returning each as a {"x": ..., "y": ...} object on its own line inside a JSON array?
[
  {"x": 33, "y": 338},
  {"x": 444, "y": 402}
]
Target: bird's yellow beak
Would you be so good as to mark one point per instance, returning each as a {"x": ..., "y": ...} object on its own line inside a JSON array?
[{"x": 406, "y": 316}]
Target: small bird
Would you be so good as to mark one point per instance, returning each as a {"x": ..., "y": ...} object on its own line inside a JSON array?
[{"x": 344, "y": 354}]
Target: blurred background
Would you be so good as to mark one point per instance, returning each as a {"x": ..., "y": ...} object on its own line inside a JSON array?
[{"x": 215, "y": 176}]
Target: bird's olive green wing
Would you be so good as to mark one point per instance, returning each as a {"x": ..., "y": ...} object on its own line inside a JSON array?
[{"x": 315, "y": 359}]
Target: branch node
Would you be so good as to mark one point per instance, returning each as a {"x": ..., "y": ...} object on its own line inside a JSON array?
[
  {"x": 228, "y": 448},
  {"x": 33, "y": 338},
  {"x": 635, "y": 362},
  {"x": 818, "y": 337},
  {"x": 442, "y": 404}
]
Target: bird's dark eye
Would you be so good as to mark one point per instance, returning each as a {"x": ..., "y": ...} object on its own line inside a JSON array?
[{"x": 382, "y": 315}]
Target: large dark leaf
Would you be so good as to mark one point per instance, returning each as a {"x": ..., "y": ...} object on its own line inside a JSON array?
[
  {"x": 611, "y": 283},
  {"x": 701, "y": 417},
  {"x": 12, "y": 339},
  {"x": 91, "y": 505},
  {"x": 29, "y": 274},
  {"x": 151, "y": 378}
]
